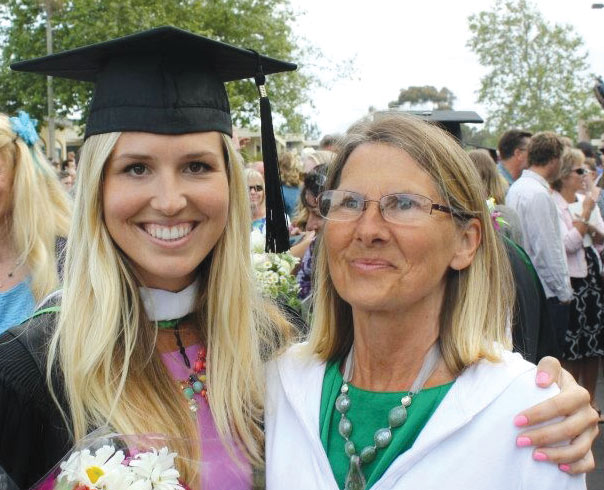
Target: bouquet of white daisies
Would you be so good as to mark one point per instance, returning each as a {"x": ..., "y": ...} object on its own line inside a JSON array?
[
  {"x": 116, "y": 462},
  {"x": 274, "y": 272}
]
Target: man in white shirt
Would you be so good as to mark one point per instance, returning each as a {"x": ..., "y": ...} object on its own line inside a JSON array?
[{"x": 530, "y": 196}]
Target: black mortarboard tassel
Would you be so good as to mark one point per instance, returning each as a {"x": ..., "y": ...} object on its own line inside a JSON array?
[{"x": 277, "y": 234}]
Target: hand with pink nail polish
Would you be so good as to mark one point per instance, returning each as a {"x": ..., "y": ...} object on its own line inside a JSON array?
[{"x": 579, "y": 421}]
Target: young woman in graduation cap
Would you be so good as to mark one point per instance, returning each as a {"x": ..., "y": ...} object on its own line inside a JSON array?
[
  {"x": 158, "y": 297},
  {"x": 158, "y": 279}
]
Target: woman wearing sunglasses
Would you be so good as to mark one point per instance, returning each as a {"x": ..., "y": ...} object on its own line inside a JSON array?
[
  {"x": 255, "y": 186},
  {"x": 583, "y": 342}
]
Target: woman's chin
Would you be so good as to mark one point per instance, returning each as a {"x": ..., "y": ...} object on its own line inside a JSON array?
[{"x": 168, "y": 280}]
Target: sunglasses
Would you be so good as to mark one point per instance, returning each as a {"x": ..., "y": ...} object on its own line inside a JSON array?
[
  {"x": 257, "y": 188},
  {"x": 580, "y": 171}
]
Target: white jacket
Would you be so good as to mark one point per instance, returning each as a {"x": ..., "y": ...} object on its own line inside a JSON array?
[{"x": 468, "y": 443}]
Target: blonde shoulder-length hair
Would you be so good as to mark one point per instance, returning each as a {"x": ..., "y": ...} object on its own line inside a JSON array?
[
  {"x": 41, "y": 210},
  {"x": 478, "y": 300},
  {"x": 105, "y": 344}
]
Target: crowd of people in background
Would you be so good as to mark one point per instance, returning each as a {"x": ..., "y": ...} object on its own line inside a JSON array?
[{"x": 547, "y": 193}]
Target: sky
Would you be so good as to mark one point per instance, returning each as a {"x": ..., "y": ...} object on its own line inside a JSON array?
[{"x": 395, "y": 44}]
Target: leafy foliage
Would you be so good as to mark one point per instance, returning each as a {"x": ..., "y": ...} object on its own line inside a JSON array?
[
  {"x": 537, "y": 72},
  {"x": 263, "y": 25},
  {"x": 413, "y": 96}
]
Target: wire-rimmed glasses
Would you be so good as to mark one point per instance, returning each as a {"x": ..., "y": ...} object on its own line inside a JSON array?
[{"x": 400, "y": 208}]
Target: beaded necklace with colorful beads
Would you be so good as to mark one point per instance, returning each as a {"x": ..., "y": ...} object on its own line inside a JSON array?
[{"x": 196, "y": 382}]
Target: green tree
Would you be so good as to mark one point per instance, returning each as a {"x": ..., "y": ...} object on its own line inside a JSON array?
[
  {"x": 478, "y": 137},
  {"x": 537, "y": 75},
  {"x": 413, "y": 96},
  {"x": 263, "y": 25}
]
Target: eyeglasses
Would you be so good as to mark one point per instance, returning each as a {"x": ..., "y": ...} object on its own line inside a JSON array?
[
  {"x": 257, "y": 188},
  {"x": 336, "y": 205},
  {"x": 580, "y": 171}
]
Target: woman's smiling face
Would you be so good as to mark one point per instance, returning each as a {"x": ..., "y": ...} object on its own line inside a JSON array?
[
  {"x": 376, "y": 265},
  {"x": 165, "y": 203}
]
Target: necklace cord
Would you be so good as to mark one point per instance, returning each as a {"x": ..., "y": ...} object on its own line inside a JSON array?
[{"x": 181, "y": 347}]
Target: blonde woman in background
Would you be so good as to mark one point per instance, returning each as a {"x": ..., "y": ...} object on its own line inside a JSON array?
[
  {"x": 289, "y": 168},
  {"x": 496, "y": 188},
  {"x": 406, "y": 381},
  {"x": 257, "y": 196},
  {"x": 159, "y": 328},
  {"x": 35, "y": 215}
]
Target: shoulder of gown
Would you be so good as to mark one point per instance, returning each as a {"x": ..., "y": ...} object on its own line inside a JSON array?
[{"x": 33, "y": 433}]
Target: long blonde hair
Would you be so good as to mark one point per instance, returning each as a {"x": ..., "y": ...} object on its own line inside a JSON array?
[
  {"x": 495, "y": 185},
  {"x": 41, "y": 210},
  {"x": 478, "y": 300},
  {"x": 105, "y": 345}
]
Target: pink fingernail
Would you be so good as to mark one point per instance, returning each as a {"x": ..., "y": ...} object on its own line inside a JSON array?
[
  {"x": 543, "y": 378},
  {"x": 520, "y": 420},
  {"x": 564, "y": 467},
  {"x": 523, "y": 441},
  {"x": 539, "y": 456}
]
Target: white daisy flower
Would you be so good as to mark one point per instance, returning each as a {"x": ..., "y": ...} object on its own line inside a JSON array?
[
  {"x": 157, "y": 469},
  {"x": 272, "y": 277},
  {"x": 103, "y": 470}
]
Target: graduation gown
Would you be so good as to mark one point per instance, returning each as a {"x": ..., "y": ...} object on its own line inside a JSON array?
[
  {"x": 532, "y": 331},
  {"x": 33, "y": 434}
]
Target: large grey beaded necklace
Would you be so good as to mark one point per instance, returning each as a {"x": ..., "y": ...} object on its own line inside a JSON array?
[{"x": 355, "y": 479}]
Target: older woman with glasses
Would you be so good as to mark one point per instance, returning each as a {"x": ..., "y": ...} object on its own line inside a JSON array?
[
  {"x": 583, "y": 341},
  {"x": 406, "y": 380}
]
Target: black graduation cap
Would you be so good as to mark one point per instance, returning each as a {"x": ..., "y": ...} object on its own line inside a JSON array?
[
  {"x": 170, "y": 81},
  {"x": 450, "y": 121}
]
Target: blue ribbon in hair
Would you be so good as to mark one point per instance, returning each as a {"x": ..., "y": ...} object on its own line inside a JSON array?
[{"x": 25, "y": 127}]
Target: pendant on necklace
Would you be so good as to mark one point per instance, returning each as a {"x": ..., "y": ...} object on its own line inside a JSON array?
[
  {"x": 196, "y": 383},
  {"x": 354, "y": 478}
]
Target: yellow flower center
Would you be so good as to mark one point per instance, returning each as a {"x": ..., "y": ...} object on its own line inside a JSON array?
[{"x": 94, "y": 473}]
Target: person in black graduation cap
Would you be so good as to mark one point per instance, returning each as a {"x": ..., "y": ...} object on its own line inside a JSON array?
[{"x": 158, "y": 319}]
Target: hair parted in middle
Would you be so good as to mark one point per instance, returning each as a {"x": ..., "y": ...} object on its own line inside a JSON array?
[
  {"x": 105, "y": 344},
  {"x": 478, "y": 300}
]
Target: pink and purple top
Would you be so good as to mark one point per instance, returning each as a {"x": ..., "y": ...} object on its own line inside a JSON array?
[{"x": 219, "y": 470}]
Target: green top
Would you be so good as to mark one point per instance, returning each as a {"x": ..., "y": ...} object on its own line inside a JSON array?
[{"x": 368, "y": 413}]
